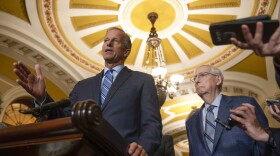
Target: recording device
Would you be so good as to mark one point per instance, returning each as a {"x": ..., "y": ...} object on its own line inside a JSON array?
[
  {"x": 230, "y": 123},
  {"x": 272, "y": 102},
  {"x": 40, "y": 112},
  {"x": 221, "y": 32}
]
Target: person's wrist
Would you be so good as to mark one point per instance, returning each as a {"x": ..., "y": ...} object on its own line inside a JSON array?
[
  {"x": 270, "y": 141},
  {"x": 41, "y": 99},
  {"x": 262, "y": 135}
]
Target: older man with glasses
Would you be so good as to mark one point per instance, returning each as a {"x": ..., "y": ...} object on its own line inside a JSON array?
[{"x": 209, "y": 137}]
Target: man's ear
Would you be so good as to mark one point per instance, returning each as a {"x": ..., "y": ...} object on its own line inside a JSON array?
[
  {"x": 218, "y": 80},
  {"x": 126, "y": 53}
]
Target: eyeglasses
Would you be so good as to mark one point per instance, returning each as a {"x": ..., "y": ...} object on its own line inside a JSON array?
[{"x": 201, "y": 76}]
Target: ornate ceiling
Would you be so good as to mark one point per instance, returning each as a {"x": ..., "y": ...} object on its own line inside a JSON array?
[
  {"x": 77, "y": 28},
  {"x": 65, "y": 37}
]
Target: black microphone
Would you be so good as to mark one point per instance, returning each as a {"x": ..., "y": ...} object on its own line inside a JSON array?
[
  {"x": 46, "y": 107},
  {"x": 228, "y": 127},
  {"x": 230, "y": 123}
]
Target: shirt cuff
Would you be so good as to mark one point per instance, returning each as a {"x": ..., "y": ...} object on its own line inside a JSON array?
[{"x": 37, "y": 104}]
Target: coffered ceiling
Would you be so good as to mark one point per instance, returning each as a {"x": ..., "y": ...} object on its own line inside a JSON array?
[{"x": 65, "y": 38}]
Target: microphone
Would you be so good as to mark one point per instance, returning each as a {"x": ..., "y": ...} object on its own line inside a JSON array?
[
  {"x": 228, "y": 127},
  {"x": 46, "y": 107},
  {"x": 230, "y": 123}
]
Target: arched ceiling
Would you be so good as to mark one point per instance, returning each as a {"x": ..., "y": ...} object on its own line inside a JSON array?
[
  {"x": 65, "y": 38},
  {"x": 77, "y": 28}
]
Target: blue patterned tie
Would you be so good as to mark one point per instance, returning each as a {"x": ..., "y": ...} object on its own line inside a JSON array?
[
  {"x": 107, "y": 83},
  {"x": 210, "y": 127}
]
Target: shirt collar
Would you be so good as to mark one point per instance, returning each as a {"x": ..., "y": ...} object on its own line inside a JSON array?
[
  {"x": 216, "y": 102},
  {"x": 117, "y": 69}
]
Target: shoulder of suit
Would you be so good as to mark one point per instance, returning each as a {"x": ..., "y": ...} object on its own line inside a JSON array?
[
  {"x": 142, "y": 73},
  {"x": 137, "y": 72},
  {"x": 237, "y": 97},
  {"x": 90, "y": 79},
  {"x": 193, "y": 114}
]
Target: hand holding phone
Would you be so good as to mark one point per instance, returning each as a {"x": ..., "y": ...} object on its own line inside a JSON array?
[
  {"x": 272, "y": 102},
  {"x": 222, "y": 32}
]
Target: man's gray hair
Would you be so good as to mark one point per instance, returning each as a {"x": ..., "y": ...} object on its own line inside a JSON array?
[{"x": 127, "y": 41}]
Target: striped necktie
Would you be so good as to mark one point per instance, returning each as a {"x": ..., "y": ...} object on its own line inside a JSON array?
[
  {"x": 107, "y": 83},
  {"x": 210, "y": 127}
]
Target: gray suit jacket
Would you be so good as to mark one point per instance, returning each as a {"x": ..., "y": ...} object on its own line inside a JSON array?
[
  {"x": 232, "y": 142},
  {"x": 131, "y": 106}
]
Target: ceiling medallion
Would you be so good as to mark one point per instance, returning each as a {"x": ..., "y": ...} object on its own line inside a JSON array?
[{"x": 133, "y": 17}]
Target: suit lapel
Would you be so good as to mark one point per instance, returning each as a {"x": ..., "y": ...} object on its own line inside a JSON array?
[
  {"x": 98, "y": 84},
  {"x": 223, "y": 114},
  {"x": 124, "y": 74}
]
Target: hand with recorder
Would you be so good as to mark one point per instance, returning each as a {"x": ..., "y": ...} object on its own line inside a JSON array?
[
  {"x": 274, "y": 108},
  {"x": 262, "y": 35},
  {"x": 255, "y": 41},
  {"x": 245, "y": 117}
]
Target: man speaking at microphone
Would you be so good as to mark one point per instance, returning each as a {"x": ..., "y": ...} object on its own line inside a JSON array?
[{"x": 128, "y": 99}]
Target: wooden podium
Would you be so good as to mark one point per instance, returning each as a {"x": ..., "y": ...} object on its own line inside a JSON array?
[{"x": 85, "y": 133}]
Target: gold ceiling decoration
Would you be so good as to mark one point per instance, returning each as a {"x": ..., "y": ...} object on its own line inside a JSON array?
[
  {"x": 183, "y": 29},
  {"x": 16, "y": 8}
]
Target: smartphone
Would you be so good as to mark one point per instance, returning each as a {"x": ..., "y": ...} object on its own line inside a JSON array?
[
  {"x": 246, "y": 19},
  {"x": 272, "y": 102},
  {"x": 222, "y": 32}
]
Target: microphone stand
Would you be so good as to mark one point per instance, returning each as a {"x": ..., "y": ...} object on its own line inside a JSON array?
[{"x": 41, "y": 113}]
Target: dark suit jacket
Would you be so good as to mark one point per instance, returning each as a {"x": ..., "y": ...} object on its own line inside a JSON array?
[
  {"x": 234, "y": 142},
  {"x": 131, "y": 106},
  {"x": 166, "y": 147},
  {"x": 276, "y": 135},
  {"x": 276, "y": 131},
  {"x": 276, "y": 61}
]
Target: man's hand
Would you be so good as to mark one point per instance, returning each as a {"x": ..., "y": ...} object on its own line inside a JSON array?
[
  {"x": 33, "y": 84},
  {"x": 272, "y": 48},
  {"x": 275, "y": 111},
  {"x": 136, "y": 150},
  {"x": 245, "y": 116}
]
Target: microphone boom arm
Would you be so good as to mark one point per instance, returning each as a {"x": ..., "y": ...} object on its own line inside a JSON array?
[{"x": 41, "y": 112}]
